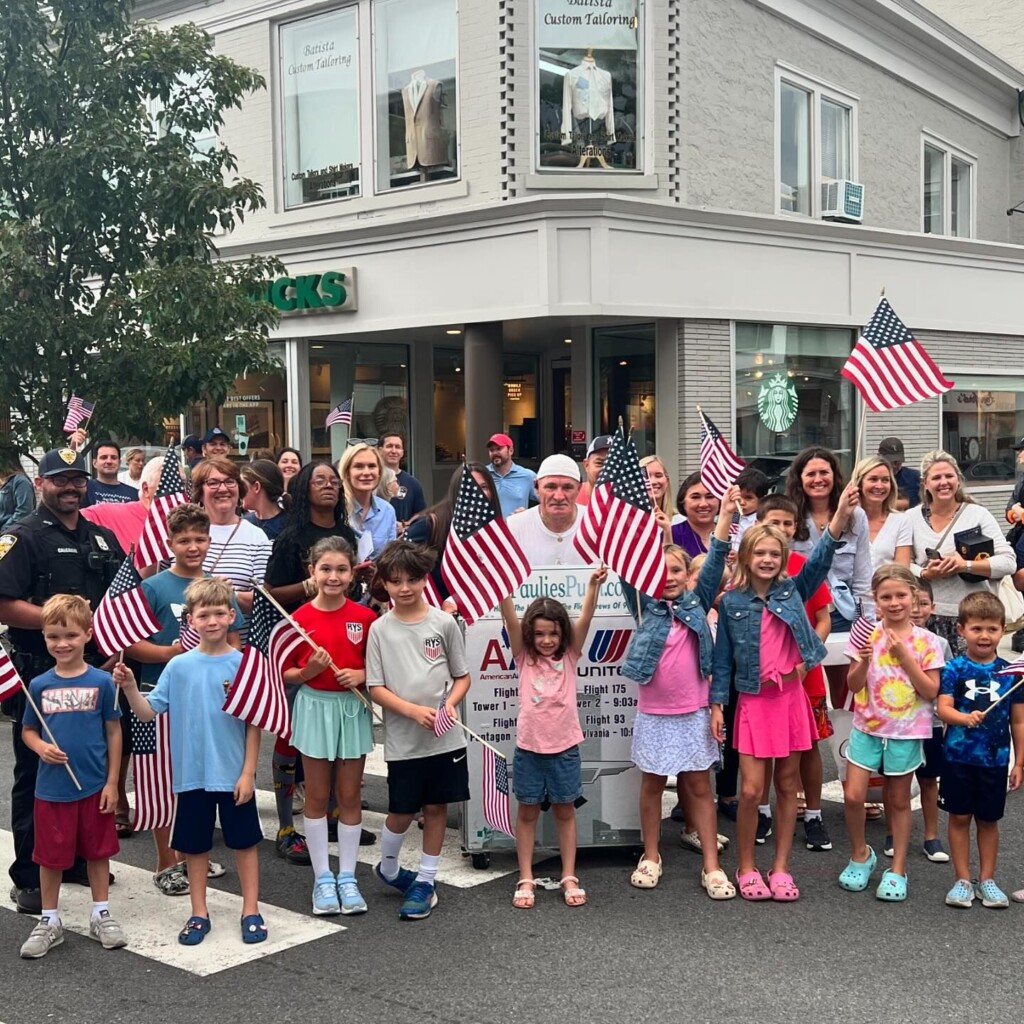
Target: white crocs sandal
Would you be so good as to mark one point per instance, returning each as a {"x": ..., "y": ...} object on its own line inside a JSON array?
[{"x": 647, "y": 875}]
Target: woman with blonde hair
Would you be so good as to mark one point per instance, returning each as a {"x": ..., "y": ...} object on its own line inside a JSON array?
[
  {"x": 888, "y": 529},
  {"x": 134, "y": 460},
  {"x": 659, "y": 487},
  {"x": 372, "y": 517}
]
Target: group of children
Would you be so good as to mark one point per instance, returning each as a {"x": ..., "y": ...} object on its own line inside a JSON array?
[{"x": 760, "y": 636}]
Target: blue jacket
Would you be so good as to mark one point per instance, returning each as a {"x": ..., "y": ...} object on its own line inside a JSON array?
[
  {"x": 739, "y": 624},
  {"x": 690, "y": 608}
]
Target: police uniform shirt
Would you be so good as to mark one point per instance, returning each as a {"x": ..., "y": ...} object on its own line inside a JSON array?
[{"x": 40, "y": 557}]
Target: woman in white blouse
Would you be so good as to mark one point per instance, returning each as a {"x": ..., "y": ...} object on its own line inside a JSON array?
[{"x": 888, "y": 529}]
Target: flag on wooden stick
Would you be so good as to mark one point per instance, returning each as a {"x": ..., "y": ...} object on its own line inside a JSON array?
[
  {"x": 123, "y": 617},
  {"x": 170, "y": 491},
  {"x": 719, "y": 464},
  {"x": 497, "y": 811}
]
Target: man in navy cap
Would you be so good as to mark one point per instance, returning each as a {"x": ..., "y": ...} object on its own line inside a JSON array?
[
  {"x": 53, "y": 550},
  {"x": 216, "y": 444},
  {"x": 192, "y": 449}
]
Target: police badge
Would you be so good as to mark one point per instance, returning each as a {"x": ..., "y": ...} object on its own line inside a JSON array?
[{"x": 67, "y": 455}]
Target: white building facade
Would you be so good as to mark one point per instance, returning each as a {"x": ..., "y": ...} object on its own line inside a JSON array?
[{"x": 537, "y": 216}]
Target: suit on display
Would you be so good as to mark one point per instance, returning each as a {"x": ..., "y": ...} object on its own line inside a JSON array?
[
  {"x": 425, "y": 143},
  {"x": 587, "y": 103}
]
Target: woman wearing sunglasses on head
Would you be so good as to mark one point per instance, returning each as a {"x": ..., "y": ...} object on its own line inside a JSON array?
[{"x": 370, "y": 516}]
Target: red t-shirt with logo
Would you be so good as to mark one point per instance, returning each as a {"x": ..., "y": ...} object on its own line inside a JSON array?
[
  {"x": 814, "y": 681},
  {"x": 341, "y": 633}
]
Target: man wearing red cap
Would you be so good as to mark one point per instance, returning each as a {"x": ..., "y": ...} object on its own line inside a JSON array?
[{"x": 513, "y": 484}]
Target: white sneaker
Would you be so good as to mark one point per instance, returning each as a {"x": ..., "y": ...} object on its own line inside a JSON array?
[
  {"x": 43, "y": 938},
  {"x": 106, "y": 931}
]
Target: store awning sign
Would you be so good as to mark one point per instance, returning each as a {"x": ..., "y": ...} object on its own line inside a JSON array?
[{"x": 333, "y": 291}]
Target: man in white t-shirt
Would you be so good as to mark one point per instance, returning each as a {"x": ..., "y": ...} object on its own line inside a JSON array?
[{"x": 546, "y": 531}]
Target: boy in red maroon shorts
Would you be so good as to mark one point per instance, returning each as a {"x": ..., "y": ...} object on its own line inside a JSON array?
[{"x": 79, "y": 704}]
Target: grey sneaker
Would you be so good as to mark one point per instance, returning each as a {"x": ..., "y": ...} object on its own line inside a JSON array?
[
  {"x": 106, "y": 931},
  {"x": 43, "y": 938}
]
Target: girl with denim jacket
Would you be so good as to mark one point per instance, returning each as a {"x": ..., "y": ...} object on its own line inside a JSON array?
[
  {"x": 764, "y": 633},
  {"x": 671, "y": 658}
]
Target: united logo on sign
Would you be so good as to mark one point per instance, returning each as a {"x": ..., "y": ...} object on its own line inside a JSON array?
[
  {"x": 609, "y": 645},
  {"x": 355, "y": 631},
  {"x": 432, "y": 648}
]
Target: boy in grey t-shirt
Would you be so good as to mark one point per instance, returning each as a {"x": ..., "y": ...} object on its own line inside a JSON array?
[{"x": 415, "y": 658}]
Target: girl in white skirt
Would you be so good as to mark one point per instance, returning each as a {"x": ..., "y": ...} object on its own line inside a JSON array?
[
  {"x": 670, "y": 659},
  {"x": 331, "y": 726}
]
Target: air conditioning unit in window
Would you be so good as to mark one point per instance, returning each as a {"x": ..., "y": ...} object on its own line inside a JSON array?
[{"x": 842, "y": 200}]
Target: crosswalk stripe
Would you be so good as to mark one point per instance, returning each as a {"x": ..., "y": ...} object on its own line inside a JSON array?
[{"x": 151, "y": 921}]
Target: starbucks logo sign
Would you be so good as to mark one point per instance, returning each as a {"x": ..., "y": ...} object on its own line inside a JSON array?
[{"x": 777, "y": 402}]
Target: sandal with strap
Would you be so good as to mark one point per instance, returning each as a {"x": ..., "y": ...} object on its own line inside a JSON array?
[
  {"x": 575, "y": 895},
  {"x": 253, "y": 928},
  {"x": 872, "y": 812},
  {"x": 856, "y": 875},
  {"x": 523, "y": 899},
  {"x": 123, "y": 825},
  {"x": 752, "y": 887},
  {"x": 783, "y": 888},
  {"x": 892, "y": 888},
  {"x": 717, "y": 885},
  {"x": 647, "y": 874},
  {"x": 195, "y": 930}
]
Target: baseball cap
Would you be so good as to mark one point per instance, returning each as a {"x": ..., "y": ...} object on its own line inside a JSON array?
[
  {"x": 890, "y": 446},
  {"x": 599, "y": 443},
  {"x": 1018, "y": 446},
  {"x": 192, "y": 441},
  {"x": 215, "y": 433},
  {"x": 500, "y": 440},
  {"x": 558, "y": 465},
  {"x": 62, "y": 460}
]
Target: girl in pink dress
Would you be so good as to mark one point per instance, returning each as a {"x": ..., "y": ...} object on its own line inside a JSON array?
[{"x": 546, "y": 768}]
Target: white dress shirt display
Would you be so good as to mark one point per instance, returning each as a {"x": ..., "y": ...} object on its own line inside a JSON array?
[{"x": 587, "y": 95}]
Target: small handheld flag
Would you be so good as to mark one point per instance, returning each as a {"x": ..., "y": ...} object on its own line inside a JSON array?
[
  {"x": 719, "y": 464},
  {"x": 341, "y": 413},
  {"x": 10, "y": 681},
  {"x": 124, "y": 616},
  {"x": 860, "y": 636},
  {"x": 78, "y": 412},
  {"x": 443, "y": 722},
  {"x": 497, "y": 811},
  {"x": 170, "y": 492}
]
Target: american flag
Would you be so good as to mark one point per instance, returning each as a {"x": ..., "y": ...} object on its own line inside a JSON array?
[
  {"x": 442, "y": 720},
  {"x": 257, "y": 695},
  {"x": 124, "y": 616},
  {"x": 188, "y": 636},
  {"x": 341, "y": 413},
  {"x": 860, "y": 636},
  {"x": 151, "y": 772},
  {"x": 10, "y": 681},
  {"x": 170, "y": 491},
  {"x": 497, "y": 812},
  {"x": 719, "y": 464},
  {"x": 618, "y": 525},
  {"x": 890, "y": 367},
  {"x": 1014, "y": 668},
  {"x": 482, "y": 561},
  {"x": 78, "y": 412}
]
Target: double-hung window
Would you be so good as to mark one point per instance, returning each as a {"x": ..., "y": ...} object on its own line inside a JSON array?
[
  {"x": 948, "y": 188},
  {"x": 816, "y": 140}
]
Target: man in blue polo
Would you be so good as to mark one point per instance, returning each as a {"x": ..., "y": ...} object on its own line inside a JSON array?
[
  {"x": 907, "y": 480},
  {"x": 513, "y": 484}
]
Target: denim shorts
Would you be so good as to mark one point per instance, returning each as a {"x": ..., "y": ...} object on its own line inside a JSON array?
[
  {"x": 890, "y": 756},
  {"x": 547, "y": 778}
]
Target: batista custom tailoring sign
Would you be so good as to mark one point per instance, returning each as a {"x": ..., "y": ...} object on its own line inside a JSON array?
[
  {"x": 596, "y": 24},
  {"x": 607, "y": 707}
]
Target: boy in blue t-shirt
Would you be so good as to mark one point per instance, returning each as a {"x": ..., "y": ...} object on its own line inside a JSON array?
[
  {"x": 188, "y": 535},
  {"x": 213, "y": 756},
  {"x": 79, "y": 705},
  {"x": 977, "y": 747}
]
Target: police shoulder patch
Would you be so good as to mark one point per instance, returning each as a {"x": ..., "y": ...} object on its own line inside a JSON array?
[{"x": 7, "y": 541}]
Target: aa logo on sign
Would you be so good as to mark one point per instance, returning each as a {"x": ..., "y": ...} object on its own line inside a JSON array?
[
  {"x": 355, "y": 631},
  {"x": 432, "y": 648}
]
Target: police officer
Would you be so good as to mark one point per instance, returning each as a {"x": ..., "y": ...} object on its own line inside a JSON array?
[{"x": 53, "y": 550}]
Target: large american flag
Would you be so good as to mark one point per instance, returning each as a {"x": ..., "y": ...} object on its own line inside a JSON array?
[
  {"x": 124, "y": 616},
  {"x": 719, "y": 464},
  {"x": 78, "y": 412},
  {"x": 497, "y": 812},
  {"x": 151, "y": 772},
  {"x": 341, "y": 413},
  {"x": 10, "y": 681},
  {"x": 257, "y": 696},
  {"x": 889, "y": 366},
  {"x": 170, "y": 491},
  {"x": 618, "y": 525},
  {"x": 482, "y": 562}
]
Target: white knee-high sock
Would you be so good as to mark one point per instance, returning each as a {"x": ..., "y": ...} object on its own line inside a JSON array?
[
  {"x": 348, "y": 847},
  {"x": 390, "y": 848},
  {"x": 316, "y": 843},
  {"x": 428, "y": 868}
]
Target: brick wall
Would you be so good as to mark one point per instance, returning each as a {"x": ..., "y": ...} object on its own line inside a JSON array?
[{"x": 704, "y": 378}]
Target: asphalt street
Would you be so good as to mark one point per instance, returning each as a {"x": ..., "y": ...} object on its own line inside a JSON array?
[{"x": 629, "y": 955}]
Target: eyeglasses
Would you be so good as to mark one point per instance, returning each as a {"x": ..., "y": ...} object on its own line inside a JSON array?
[
  {"x": 370, "y": 442},
  {"x": 68, "y": 481},
  {"x": 221, "y": 485}
]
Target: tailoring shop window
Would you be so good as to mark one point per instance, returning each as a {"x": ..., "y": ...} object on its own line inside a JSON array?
[
  {"x": 982, "y": 418},
  {"x": 319, "y": 75},
  {"x": 590, "y": 86},
  {"x": 416, "y": 87}
]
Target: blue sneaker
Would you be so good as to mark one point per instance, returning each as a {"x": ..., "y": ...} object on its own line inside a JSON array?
[
  {"x": 352, "y": 901},
  {"x": 325, "y": 895},
  {"x": 419, "y": 901},
  {"x": 402, "y": 881},
  {"x": 990, "y": 894}
]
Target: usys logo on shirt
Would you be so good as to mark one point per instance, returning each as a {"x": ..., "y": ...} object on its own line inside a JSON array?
[
  {"x": 432, "y": 648},
  {"x": 355, "y": 631}
]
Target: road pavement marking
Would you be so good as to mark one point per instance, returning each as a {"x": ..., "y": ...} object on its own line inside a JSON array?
[{"x": 151, "y": 921}]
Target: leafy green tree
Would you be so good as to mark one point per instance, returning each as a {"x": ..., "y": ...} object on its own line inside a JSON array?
[{"x": 110, "y": 204}]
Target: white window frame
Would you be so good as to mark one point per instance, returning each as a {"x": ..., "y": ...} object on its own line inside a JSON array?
[
  {"x": 819, "y": 89},
  {"x": 949, "y": 151}
]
